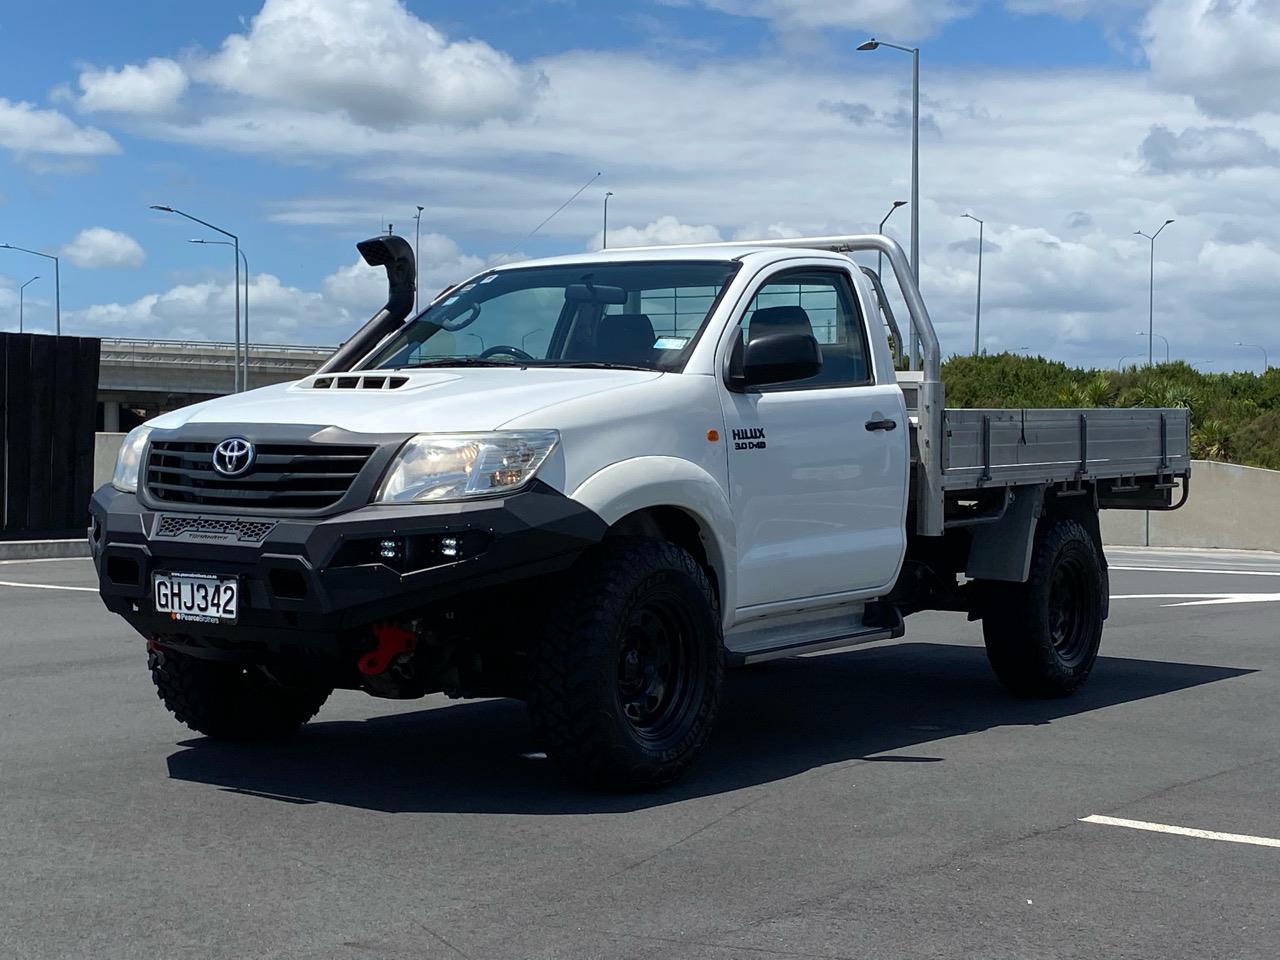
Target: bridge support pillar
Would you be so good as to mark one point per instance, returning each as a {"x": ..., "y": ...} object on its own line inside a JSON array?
[{"x": 111, "y": 416}]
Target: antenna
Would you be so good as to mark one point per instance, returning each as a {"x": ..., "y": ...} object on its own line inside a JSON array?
[{"x": 563, "y": 205}]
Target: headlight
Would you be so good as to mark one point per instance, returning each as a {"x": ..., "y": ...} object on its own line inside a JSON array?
[
  {"x": 129, "y": 460},
  {"x": 458, "y": 466}
]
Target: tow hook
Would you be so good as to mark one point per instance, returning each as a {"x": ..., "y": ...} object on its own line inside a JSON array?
[{"x": 393, "y": 640}]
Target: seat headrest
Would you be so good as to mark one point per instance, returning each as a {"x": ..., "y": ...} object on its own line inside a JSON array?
[
  {"x": 625, "y": 338},
  {"x": 769, "y": 320}
]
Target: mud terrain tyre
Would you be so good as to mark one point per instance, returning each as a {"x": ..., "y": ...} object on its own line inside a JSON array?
[
  {"x": 1042, "y": 636},
  {"x": 625, "y": 682},
  {"x": 229, "y": 701}
]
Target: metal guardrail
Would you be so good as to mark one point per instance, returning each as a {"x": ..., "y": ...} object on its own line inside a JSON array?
[{"x": 126, "y": 351}]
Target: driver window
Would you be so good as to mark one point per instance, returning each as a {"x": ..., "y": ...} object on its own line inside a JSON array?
[{"x": 819, "y": 302}]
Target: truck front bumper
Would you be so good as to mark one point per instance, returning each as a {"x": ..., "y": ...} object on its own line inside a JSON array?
[{"x": 306, "y": 583}]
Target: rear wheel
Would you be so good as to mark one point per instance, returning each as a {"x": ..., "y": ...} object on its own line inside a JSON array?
[
  {"x": 1042, "y": 636},
  {"x": 626, "y": 680},
  {"x": 232, "y": 701}
]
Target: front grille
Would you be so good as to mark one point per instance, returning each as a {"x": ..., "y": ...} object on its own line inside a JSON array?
[
  {"x": 174, "y": 527},
  {"x": 285, "y": 476}
]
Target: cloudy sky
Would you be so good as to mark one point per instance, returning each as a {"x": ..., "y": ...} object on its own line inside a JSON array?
[{"x": 306, "y": 125}]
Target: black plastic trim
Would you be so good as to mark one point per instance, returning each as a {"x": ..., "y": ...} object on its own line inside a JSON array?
[{"x": 504, "y": 541}]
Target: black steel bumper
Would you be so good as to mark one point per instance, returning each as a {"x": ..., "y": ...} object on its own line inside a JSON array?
[{"x": 308, "y": 582}]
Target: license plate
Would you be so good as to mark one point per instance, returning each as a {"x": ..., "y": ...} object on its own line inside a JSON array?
[{"x": 196, "y": 597}]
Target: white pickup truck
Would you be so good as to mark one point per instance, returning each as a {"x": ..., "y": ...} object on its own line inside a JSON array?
[{"x": 591, "y": 482}]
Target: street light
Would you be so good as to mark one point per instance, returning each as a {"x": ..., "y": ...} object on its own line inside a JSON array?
[
  {"x": 1165, "y": 339},
  {"x": 1151, "y": 293},
  {"x": 21, "y": 291},
  {"x": 977, "y": 316},
  {"x": 236, "y": 243},
  {"x": 1265, "y": 365},
  {"x": 527, "y": 336},
  {"x": 605, "y": 243},
  {"x": 1120, "y": 364},
  {"x": 874, "y": 44},
  {"x": 417, "y": 232},
  {"x": 1196, "y": 363},
  {"x": 879, "y": 255},
  {"x": 227, "y": 243},
  {"x": 57, "y": 283}
]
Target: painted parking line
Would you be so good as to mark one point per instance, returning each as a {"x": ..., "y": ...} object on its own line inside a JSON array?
[
  {"x": 1201, "y": 599},
  {"x": 1234, "y": 573},
  {"x": 45, "y": 586},
  {"x": 5, "y": 563},
  {"x": 1183, "y": 831}
]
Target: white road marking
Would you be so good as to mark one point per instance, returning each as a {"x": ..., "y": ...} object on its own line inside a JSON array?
[
  {"x": 1183, "y": 831},
  {"x": 1237, "y": 573},
  {"x": 45, "y": 586},
  {"x": 41, "y": 560},
  {"x": 1201, "y": 599}
]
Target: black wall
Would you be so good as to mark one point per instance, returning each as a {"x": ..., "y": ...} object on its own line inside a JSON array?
[{"x": 48, "y": 408}]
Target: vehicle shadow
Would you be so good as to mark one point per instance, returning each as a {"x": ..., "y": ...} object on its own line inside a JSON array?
[{"x": 777, "y": 720}]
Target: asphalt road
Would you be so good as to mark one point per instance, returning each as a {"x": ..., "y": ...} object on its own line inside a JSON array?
[{"x": 890, "y": 802}]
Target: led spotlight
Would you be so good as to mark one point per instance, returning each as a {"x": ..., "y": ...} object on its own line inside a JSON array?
[
  {"x": 450, "y": 546},
  {"x": 390, "y": 549}
]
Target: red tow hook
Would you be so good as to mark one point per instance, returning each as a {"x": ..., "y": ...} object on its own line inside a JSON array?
[{"x": 393, "y": 640}]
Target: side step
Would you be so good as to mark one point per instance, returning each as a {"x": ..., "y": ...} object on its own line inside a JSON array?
[{"x": 871, "y": 634}]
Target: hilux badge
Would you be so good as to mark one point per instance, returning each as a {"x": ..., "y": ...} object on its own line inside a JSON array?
[{"x": 233, "y": 456}]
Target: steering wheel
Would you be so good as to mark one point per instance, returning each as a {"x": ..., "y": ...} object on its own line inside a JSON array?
[
  {"x": 455, "y": 324},
  {"x": 503, "y": 348}
]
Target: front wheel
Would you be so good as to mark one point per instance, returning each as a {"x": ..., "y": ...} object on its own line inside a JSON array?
[
  {"x": 231, "y": 701},
  {"x": 1042, "y": 636},
  {"x": 626, "y": 679}
]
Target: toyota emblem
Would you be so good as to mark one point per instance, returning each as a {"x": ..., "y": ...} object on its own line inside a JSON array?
[{"x": 233, "y": 456}]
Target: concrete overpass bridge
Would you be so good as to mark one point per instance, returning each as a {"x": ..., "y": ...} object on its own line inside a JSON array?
[{"x": 139, "y": 379}]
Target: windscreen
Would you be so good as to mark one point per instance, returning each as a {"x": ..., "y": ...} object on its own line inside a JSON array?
[{"x": 638, "y": 315}]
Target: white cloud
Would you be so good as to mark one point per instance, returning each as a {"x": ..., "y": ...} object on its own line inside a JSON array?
[
  {"x": 664, "y": 230},
  {"x": 1206, "y": 150},
  {"x": 888, "y": 18},
  {"x": 278, "y": 312},
  {"x": 206, "y": 311},
  {"x": 28, "y": 130},
  {"x": 154, "y": 87},
  {"x": 1223, "y": 53},
  {"x": 373, "y": 61},
  {"x": 100, "y": 247}
]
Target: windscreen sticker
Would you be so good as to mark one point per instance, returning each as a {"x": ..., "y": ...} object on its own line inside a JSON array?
[
  {"x": 492, "y": 276},
  {"x": 450, "y": 300},
  {"x": 670, "y": 343}
]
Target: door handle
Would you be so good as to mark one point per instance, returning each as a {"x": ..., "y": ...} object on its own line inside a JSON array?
[{"x": 882, "y": 425}]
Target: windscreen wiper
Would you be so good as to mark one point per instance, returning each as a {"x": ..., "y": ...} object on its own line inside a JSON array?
[
  {"x": 599, "y": 365},
  {"x": 457, "y": 362}
]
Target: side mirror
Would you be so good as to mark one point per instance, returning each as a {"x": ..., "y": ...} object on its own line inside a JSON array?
[{"x": 780, "y": 357}]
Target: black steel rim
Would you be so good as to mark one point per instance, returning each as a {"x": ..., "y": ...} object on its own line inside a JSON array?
[
  {"x": 658, "y": 661},
  {"x": 1070, "y": 610}
]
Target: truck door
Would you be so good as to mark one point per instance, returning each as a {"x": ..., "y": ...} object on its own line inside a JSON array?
[{"x": 818, "y": 468}]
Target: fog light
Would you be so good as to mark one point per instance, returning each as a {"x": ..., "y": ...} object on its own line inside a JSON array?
[
  {"x": 390, "y": 549},
  {"x": 450, "y": 547}
]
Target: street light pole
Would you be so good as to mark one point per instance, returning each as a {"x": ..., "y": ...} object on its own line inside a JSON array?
[
  {"x": 1265, "y": 365},
  {"x": 22, "y": 290},
  {"x": 977, "y": 317},
  {"x": 57, "y": 283},
  {"x": 235, "y": 241},
  {"x": 417, "y": 233},
  {"x": 1164, "y": 338},
  {"x": 1120, "y": 364},
  {"x": 605, "y": 244},
  {"x": 1151, "y": 293},
  {"x": 883, "y": 221},
  {"x": 874, "y": 44},
  {"x": 227, "y": 243}
]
